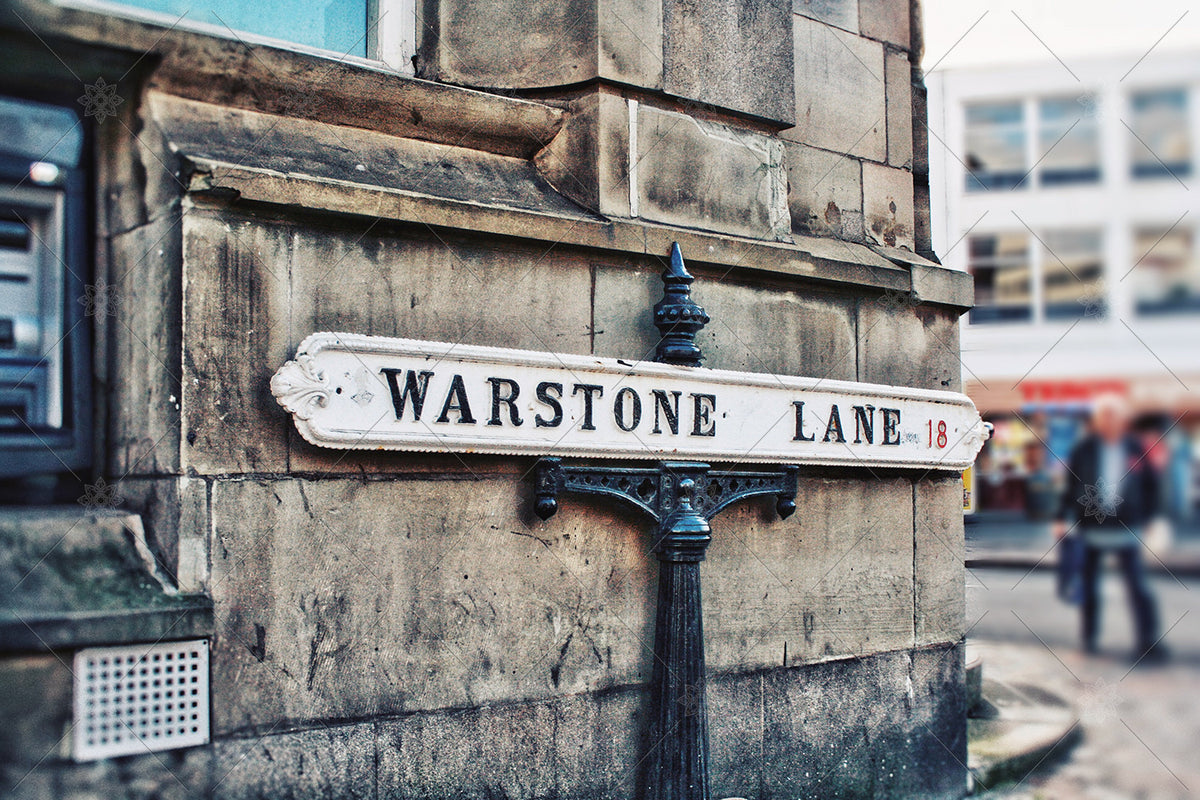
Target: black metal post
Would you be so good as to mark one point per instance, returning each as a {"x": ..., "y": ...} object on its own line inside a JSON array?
[
  {"x": 679, "y": 760},
  {"x": 681, "y": 497}
]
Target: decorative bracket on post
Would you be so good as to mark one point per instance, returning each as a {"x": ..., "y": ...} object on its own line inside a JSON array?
[
  {"x": 681, "y": 497},
  {"x": 656, "y": 492}
]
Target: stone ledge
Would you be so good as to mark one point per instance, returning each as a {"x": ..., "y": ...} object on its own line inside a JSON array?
[
  {"x": 931, "y": 282},
  {"x": 82, "y": 578},
  {"x": 187, "y": 617},
  {"x": 807, "y": 258}
]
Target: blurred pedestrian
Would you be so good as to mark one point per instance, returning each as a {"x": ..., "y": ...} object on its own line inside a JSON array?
[{"x": 1112, "y": 494}]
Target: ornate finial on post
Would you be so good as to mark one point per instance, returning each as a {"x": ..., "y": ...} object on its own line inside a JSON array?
[{"x": 677, "y": 316}]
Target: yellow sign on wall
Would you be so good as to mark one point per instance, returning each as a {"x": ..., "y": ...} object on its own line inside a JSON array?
[{"x": 968, "y": 479}]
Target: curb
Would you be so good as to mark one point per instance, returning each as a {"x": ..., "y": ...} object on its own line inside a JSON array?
[
  {"x": 1179, "y": 565},
  {"x": 1016, "y": 729}
]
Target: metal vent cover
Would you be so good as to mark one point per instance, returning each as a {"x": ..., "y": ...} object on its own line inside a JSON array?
[{"x": 140, "y": 698}]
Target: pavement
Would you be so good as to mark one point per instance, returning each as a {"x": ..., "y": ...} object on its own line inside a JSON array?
[
  {"x": 1122, "y": 735},
  {"x": 1066, "y": 725}
]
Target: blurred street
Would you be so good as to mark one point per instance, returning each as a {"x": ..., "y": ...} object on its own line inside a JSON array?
[
  {"x": 1140, "y": 725},
  {"x": 1001, "y": 540}
]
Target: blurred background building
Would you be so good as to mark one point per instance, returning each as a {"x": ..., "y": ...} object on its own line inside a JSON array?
[{"x": 1064, "y": 188}]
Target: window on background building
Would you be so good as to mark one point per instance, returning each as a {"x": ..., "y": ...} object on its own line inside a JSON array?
[
  {"x": 1072, "y": 274},
  {"x": 1161, "y": 145},
  {"x": 1003, "y": 278},
  {"x": 1167, "y": 273},
  {"x": 995, "y": 146},
  {"x": 1069, "y": 138},
  {"x": 45, "y": 378},
  {"x": 343, "y": 27}
]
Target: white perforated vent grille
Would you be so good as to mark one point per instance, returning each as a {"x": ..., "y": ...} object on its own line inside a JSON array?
[{"x": 141, "y": 697}]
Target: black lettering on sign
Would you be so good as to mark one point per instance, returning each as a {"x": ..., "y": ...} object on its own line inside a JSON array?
[
  {"x": 590, "y": 392},
  {"x": 891, "y": 425},
  {"x": 864, "y": 424},
  {"x": 415, "y": 386},
  {"x": 703, "y": 408},
  {"x": 800, "y": 437},
  {"x": 544, "y": 396},
  {"x": 670, "y": 411},
  {"x": 509, "y": 399},
  {"x": 456, "y": 400},
  {"x": 619, "y": 409},
  {"x": 833, "y": 431}
]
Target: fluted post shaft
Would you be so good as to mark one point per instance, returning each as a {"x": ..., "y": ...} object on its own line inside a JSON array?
[{"x": 679, "y": 738}]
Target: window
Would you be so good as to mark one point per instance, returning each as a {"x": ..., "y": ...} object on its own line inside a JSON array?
[
  {"x": 1160, "y": 146},
  {"x": 1167, "y": 274},
  {"x": 1003, "y": 286},
  {"x": 1072, "y": 274},
  {"x": 45, "y": 384},
  {"x": 995, "y": 146},
  {"x": 1070, "y": 141},
  {"x": 384, "y": 30}
]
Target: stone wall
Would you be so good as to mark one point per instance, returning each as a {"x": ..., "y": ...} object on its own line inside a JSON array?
[{"x": 392, "y": 625}]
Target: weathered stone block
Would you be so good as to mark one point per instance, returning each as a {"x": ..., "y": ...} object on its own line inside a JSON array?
[
  {"x": 938, "y": 560},
  {"x": 940, "y": 693},
  {"x": 886, "y": 20},
  {"x": 735, "y": 733},
  {"x": 339, "y": 599},
  {"x": 842, "y": 13},
  {"x": 169, "y": 775},
  {"x": 583, "y": 746},
  {"x": 870, "y": 727},
  {"x": 588, "y": 160},
  {"x": 256, "y": 288},
  {"x": 136, "y": 167},
  {"x": 35, "y": 703},
  {"x": 920, "y": 131},
  {"x": 832, "y": 66},
  {"x": 824, "y": 192},
  {"x": 506, "y": 44},
  {"x": 145, "y": 375},
  {"x": 835, "y": 580},
  {"x": 174, "y": 513},
  {"x": 630, "y": 42},
  {"x": 448, "y": 290},
  {"x": 236, "y": 308},
  {"x": 331, "y": 761},
  {"x": 755, "y": 330},
  {"x": 888, "y": 205},
  {"x": 915, "y": 347},
  {"x": 898, "y": 75},
  {"x": 734, "y": 54},
  {"x": 697, "y": 174}
]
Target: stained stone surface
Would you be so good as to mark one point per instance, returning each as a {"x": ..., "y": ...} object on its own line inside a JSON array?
[
  {"x": 881, "y": 725},
  {"x": 734, "y": 54},
  {"x": 831, "y": 66}
]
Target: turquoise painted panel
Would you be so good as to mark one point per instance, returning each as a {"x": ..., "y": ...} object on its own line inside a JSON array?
[{"x": 336, "y": 25}]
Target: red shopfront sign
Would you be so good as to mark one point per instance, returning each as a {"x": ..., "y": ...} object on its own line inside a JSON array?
[{"x": 1070, "y": 391}]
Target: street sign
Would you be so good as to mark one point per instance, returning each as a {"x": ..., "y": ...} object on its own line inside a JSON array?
[{"x": 364, "y": 392}]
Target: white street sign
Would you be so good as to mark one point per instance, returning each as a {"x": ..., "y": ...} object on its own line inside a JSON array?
[{"x": 365, "y": 392}]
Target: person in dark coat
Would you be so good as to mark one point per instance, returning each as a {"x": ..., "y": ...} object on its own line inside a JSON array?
[{"x": 1112, "y": 493}]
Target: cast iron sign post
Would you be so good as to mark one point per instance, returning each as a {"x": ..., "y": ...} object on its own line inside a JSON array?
[
  {"x": 350, "y": 391},
  {"x": 681, "y": 496}
]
